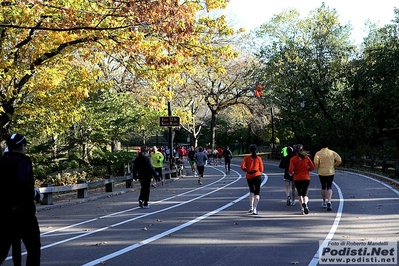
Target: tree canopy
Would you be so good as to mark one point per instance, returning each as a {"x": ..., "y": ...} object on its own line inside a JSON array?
[
  {"x": 304, "y": 66},
  {"x": 50, "y": 51}
]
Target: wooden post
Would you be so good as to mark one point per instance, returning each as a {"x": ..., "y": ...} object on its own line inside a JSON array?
[
  {"x": 82, "y": 192},
  {"x": 109, "y": 187},
  {"x": 47, "y": 197},
  {"x": 384, "y": 166},
  {"x": 129, "y": 182}
]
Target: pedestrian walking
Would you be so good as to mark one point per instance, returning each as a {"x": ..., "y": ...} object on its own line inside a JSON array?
[
  {"x": 253, "y": 166},
  {"x": 220, "y": 155},
  {"x": 300, "y": 166},
  {"x": 288, "y": 179},
  {"x": 227, "y": 155},
  {"x": 191, "y": 160},
  {"x": 167, "y": 153},
  {"x": 157, "y": 161},
  {"x": 180, "y": 153},
  {"x": 208, "y": 153},
  {"x": 325, "y": 161},
  {"x": 215, "y": 156},
  {"x": 143, "y": 170},
  {"x": 200, "y": 158},
  {"x": 18, "y": 198}
]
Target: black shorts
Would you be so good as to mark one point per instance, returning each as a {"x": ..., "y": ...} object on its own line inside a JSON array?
[
  {"x": 254, "y": 184},
  {"x": 326, "y": 182},
  {"x": 302, "y": 186}
]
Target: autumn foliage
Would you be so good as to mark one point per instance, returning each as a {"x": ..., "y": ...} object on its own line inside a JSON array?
[{"x": 51, "y": 51}]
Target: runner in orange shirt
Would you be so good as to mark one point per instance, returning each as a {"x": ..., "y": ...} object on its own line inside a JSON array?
[{"x": 300, "y": 166}]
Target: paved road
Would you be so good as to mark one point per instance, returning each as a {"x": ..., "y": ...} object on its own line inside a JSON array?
[{"x": 188, "y": 224}]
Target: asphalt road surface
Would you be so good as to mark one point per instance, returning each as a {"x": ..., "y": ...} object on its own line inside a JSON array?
[{"x": 189, "y": 224}]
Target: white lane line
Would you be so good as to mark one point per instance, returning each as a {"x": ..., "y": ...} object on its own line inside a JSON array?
[
  {"x": 138, "y": 217},
  {"x": 131, "y": 209},
  {"x": 333, "y": 229},
  {"x": 64, "y": 234},
  {"x": 168, "y": 232},
  {"x": 375, "y": 180},
  {"x": 316, "y": 257}
]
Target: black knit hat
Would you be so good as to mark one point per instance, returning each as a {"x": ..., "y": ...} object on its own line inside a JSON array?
[{"x": 16, "y": 140}]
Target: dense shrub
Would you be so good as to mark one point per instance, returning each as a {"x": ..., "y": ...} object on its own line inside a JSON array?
[{"x": 70, "y": 170}]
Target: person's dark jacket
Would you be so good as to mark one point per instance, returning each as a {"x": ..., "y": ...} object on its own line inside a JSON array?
[
  {"x": 191, "y": 154},
  {"x": 143, "y": 168},
  {"x": 227, "y": 154},
  {"x": 16, "y": 177},
  {"x": 285, "y": 163}
]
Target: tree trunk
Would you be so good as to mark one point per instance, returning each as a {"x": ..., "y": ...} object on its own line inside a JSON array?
[
  {"x": 212, "y": 140},
  {"x": 5, "y": 119}
]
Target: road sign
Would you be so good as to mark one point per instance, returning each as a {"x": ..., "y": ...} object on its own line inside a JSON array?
[{"x": 169, "y": 121}]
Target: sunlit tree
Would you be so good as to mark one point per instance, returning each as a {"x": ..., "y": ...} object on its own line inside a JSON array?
[
  {"x": 50, "y": 51},
  {"x": 305, "y": 63}
]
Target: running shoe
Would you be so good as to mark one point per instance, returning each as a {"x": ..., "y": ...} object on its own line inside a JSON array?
[
  {"x": 324, "y": 204},
  {"x": 293, "y": 202},
  {"x": 154, "y": 185},
  {"x": 255, "y": 212},
  {"x": 141, "y": 203},
  {"x": 305, "y": 208},
  {"x": 288, "y": 201},
  {"x": 146, "y": 206},
  {"x": 251, "y": 209},
  {"x": 329, "y": 206}
]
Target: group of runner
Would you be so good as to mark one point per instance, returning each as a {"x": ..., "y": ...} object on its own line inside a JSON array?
[
  {"x": 298, "y": 165},
  {"x": 296, "y": 162},
  {"x": 199, "y": 157}
]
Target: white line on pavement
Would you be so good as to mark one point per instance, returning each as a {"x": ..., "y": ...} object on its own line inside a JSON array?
[{"x": 168, "y": 232}]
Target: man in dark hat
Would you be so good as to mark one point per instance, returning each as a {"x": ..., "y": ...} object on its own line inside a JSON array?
[
  {"x": 18, "y": 208},
  {"x": 144, "y": 171}
]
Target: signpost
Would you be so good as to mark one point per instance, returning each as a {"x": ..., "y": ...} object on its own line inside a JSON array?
[{"x": 169, "y": 121}]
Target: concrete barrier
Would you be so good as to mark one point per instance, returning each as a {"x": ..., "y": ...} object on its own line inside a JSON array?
[{"x": 109, "y": 183}]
